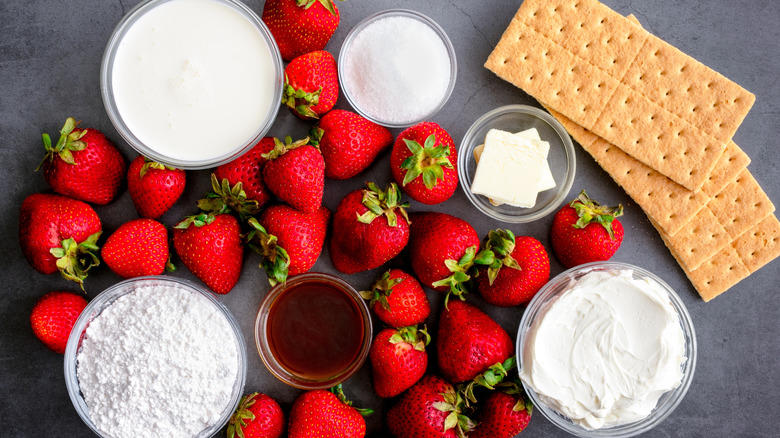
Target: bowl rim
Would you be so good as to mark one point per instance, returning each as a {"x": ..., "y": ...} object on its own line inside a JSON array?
[
  {"x": 669, "y": 401},
  {"x": 109, "y": 103},
  {"x": 263, "y": 347},
  {"x": 397, "y": 12},
  {"x": 104, "y": 299},
  {"x": 467, "y": 145}
]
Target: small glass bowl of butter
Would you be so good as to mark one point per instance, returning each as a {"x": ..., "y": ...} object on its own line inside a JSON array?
[{"x": 516, "y": 163}]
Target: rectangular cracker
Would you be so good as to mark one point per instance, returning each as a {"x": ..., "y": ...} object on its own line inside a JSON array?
[
  {"x": 733, "y": 161},
  {"x": 689, "y": 89},
  {"x": 667, "y": 203},
  {"x": 759, "y": 245},
  {"x": 532, "y": 48},
  {"x": 718, "y": 274},
  {"x": 741, "y": 205},
  {"x": 700, "y": 239},
  {"x": 658, "y": 138}
]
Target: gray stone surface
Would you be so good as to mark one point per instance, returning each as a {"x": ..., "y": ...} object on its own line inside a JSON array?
[{"x": 50, "y": 53}]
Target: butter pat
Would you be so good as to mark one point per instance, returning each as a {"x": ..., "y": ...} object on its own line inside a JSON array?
[{"x": 509, "y": 169}]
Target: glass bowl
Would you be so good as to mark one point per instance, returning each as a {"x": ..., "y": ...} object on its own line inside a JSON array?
[
  {"x": 561, "y": 158},
  {"x": 104, "y": 300},
  {"x": 349, "y": 89},
  {"x": 666, "y": 404},
  {"x": 205, "y": 158},
  {"x": 297, "y": 360}
]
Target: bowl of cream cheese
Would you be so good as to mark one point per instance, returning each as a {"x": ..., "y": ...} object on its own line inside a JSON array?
[{"x": 606, "y": 349}]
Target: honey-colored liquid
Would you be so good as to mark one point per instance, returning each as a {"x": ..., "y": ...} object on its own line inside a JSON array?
[{"x": 315, "y": 330}]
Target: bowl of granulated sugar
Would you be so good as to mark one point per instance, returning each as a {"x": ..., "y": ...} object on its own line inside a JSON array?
[
  {"x": 397, "y": 68},
  {"x": 155, "y": 356}
]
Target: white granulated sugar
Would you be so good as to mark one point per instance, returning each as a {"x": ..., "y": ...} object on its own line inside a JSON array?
[
  {"x": 158, "y": 362},
  {"x": 397, "y": 70}
]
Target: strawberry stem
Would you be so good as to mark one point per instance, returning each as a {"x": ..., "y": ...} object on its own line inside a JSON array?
[
  {"x": 590, "y": 211},
  {"x": 381, "y": 290},
  {"x": 69, "y": 141},
  {"x": 74, "y": 260},
  {"x": 385, "y": 203},
  {"x": 338, "y": 390},
  {"x": 428, "y": 160},
  {"x": 224, "y": 198},
  {"x": 241, "y": 416},
  {"x": 500, "y": 243},
  {"x": 462, "y": 272},
  {"x": 276, "y": 260}
]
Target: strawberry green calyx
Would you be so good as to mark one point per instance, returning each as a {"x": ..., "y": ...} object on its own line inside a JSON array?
[
  {"x": 338, "y": 390},
  {"x": 241, "y": 416},
  {"x": 327, "y": 4},
  {"x": 381, "y": 290},
  {"x": 299, "y": 100},
  {"x": 501, "y": 243},
  {"x": 385, "y": 203},
  {"x": 280, "y": 148},
  {"x": 462, "y": 271},
  {"x": 198, "y": 220},
  {"x": 417, "y": 338},
  {"x": 455, "y": 405},
  {"x": 590, "y": 211},
  {"x": 276, "y": 261},
  {"x": 490, "y": 379},
  {"x": 74, "y": 260},
  {"x": 428, "y": 161},
  {"x": 150, "y": 164},
  {"x": 68, "y": 142},
  {"x": 225, "y": 198}
]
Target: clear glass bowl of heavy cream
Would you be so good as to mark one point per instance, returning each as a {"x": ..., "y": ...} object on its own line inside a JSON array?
[
  {"x": 606, "y": 349},
  {"x": 191, "y": 83}
]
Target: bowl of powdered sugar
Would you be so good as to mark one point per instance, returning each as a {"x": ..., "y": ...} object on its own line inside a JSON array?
[
  {"x": 155, "y": 356},
  {"x": 397, "y": 68}
]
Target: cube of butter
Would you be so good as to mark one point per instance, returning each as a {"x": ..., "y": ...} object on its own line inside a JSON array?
[{"x": 509, "y": 169}]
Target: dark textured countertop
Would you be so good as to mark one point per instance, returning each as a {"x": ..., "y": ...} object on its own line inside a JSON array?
[{"x": 50, "y": 54}]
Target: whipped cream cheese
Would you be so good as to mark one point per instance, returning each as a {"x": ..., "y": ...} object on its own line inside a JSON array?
[{"x": 604, "y": 351}]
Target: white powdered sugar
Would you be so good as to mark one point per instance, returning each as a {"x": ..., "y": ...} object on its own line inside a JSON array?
[{"x": 160, "y": 361}]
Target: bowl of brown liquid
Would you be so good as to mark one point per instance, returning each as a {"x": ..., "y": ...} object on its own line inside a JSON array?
[{"x": 314, "y": 331}]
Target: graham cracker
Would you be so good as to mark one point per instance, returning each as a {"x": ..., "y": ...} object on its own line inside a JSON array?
[
  {"x": 733, "y": 161},
  {"x": 589, "y": 46},
  {"x": 759, "y": 245},
  {"x": 700, "y": 239},
  {"x": 718, "y": 274},
  {"x": 667, "y": 203},
  {"x": 741, "y": 205}
]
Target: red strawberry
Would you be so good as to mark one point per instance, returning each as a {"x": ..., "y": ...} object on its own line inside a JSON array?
[
  {"x": 325, "y": 414},
  {"x": 257, "y": 416},
  {"x": 83, "y": 164},
  {"x": 429, "y": 409},
  {"x": 53, "y": 317},
  {"x": 370, "y": 227},
  {"x": 443, "y": 251},
  {"x": 520, "y": 269},
  {"x": 59, "y": 233},
  {"x": 300, "y": 26},
  {"x": 210, "y": 247},
  {"x": 398, "y": 359},
  {"x": 154, "y": 187},
  {"x": 424, "y": 163},
  {"x": 248, "y": 170},
  {"x": 469, "y": 342},
  {"x": 295, "y": 172},
  {"x": 398, "y": 299},
  {"x": 289, "y": 241},
  {"x": 311, "y": 85},
  {"x": 349, "y": 142},
  {"x": 136, "y": 248},
  {"x": 585, "y": 231},
  {"x": 503, "y": 414}
]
